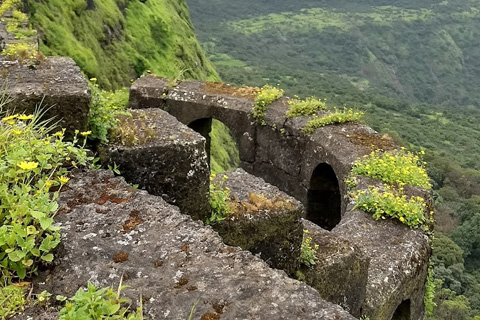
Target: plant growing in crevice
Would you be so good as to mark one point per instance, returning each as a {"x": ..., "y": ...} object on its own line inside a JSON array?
[
  {"x": 105, "y": 107},
  {"x": 308, "y": 107},
  {"x": 308, "y": 252},
  {"x": 94, "y": 303},
  {"x": 265, "y": 96},
  {"x": 336, "y": 117},
  {"x": 219, "y": 200}
]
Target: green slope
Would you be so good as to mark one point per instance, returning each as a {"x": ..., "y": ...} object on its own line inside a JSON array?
[{"x": 118, "y": 40}]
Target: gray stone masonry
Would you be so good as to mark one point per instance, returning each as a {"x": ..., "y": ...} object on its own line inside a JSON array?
[
  {"x": 164, "y": 157},
  {"x": 312, "y": 168},
  {"x": 56, "y": 85},
  {"x": 265, "y": 221},
  {"x": 110, "y": 230},
  {"x": 341, "y": 271}
]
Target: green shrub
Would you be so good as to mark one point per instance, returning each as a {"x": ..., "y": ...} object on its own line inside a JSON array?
[
  {"x": 104, "y": 109},
  {"x": 96, "y": 304},
  {"x": 265, "y": 96},
  {"x": 400, "y": 167},
  {"x": 12, "y": 301},
  {"x": 219, "y": 200},
  {"x": 391, "y": 203},
  {"x": 31, "y": 162},
  {"x": 308, "y": 253},
  {"x": 307, "y": 107},
  {"x": 338, "y": 116}
]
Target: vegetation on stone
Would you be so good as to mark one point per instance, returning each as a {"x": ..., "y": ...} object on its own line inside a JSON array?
[
  {"x": 265, "y": 96},
  {"x": 105, "y": 107},
  {"x": 336, "y": 117},
  {"x": 308, "y": 107},
  {"x": 399, "y": 167},
  {"x": 99, "y": 303},
  {"x": 33, "y": 163},
  {"x": 391, "y": 203},
  {"x": 308, "y": 252},
  {"x": 219, "y": 200}
]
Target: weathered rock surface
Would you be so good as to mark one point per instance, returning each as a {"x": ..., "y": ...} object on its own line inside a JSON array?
[
  {"x": 56, "y": 84},
  {"x": 148, "y": 92},
  {"x": 398, "y": 263},
  {"x": 341, "y": 271},
  {"x": 265, "y": 221},
  {"x": 110, "y": 230},
  {"x": 164, "y": 157}
]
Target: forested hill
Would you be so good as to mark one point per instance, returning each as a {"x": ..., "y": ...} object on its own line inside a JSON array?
[
  {"x": 423, "y": 51},
  {"x": 118, "y": 40},
  {"x": 413, "y": 66}
]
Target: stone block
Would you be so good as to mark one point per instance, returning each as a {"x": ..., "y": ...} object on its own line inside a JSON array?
[
  {"x": 56, "y": 84},
  {"x": 265, "y": 221},
  {"x": 341, "y": 271},
  {"x": 170, "y": 261},
  {"x": 164, "y": 157},
  {"x": 148, "y": 92}
]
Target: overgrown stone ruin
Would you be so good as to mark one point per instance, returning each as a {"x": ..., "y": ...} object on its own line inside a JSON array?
[{"x": 243, "y": 267}]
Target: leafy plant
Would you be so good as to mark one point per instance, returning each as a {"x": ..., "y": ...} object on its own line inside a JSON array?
[
  {"x": 391, "y": 203},
  {"x": 265, "y": 96},
  {"x": 430, "y": 291},
  {"x": 12, "y": 301},
  {"x": 32, "y": 161},
  {"x": 104, "y": 109},
  {"x": 400, "y": 167},
  {"x": 96, "y": 304},
  {"x": 308, "y": 253},
  {"x": 219, "y": 200},
  {"x": 308, "y": 107},
  {"x": 336, "y": 117}
]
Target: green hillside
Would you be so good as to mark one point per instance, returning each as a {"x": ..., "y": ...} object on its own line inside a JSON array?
[
  {"x": 118, "y": 40},
  {"x": 426, "y": 51},
  {"x": 413, "y": 66}
]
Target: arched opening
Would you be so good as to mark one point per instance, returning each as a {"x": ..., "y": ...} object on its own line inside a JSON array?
[
  {"x": 221, "y": 147},
  {"x": 324, "y": 198},
  {"x": 403, "y": 311}
]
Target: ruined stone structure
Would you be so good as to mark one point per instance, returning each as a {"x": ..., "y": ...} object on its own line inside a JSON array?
[{"x": 110, "y": 230}]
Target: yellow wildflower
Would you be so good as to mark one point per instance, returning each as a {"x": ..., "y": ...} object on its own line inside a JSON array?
[
  {"x": 9, "y": 118},
  {"x": 63, "y": 179},
  {"x": 24, "y": 165},
  {"x": 25, "y": 117},
  {"x": 86, "y": 133}
]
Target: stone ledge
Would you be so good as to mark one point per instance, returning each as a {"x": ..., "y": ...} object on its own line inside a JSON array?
[
  {"x": 338, "y": 259},
  {"x": 171, "y": 260},
  {"x": 164, "y": 157},
  {"x": 56, "y": 84},
  {"x": 266, "y": 221}
]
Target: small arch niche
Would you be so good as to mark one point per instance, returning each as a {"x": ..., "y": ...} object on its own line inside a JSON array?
[
  {"x": 221, "y": 148},
  {"x": 324, "y": 198},
  {"x": 403, "y": 311}
]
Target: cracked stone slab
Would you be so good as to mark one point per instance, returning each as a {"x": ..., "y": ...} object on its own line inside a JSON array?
[{"x": 169, "y": 259}]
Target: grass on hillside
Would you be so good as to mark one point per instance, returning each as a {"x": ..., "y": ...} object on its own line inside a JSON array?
[{"x": 111, "y": 43}]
